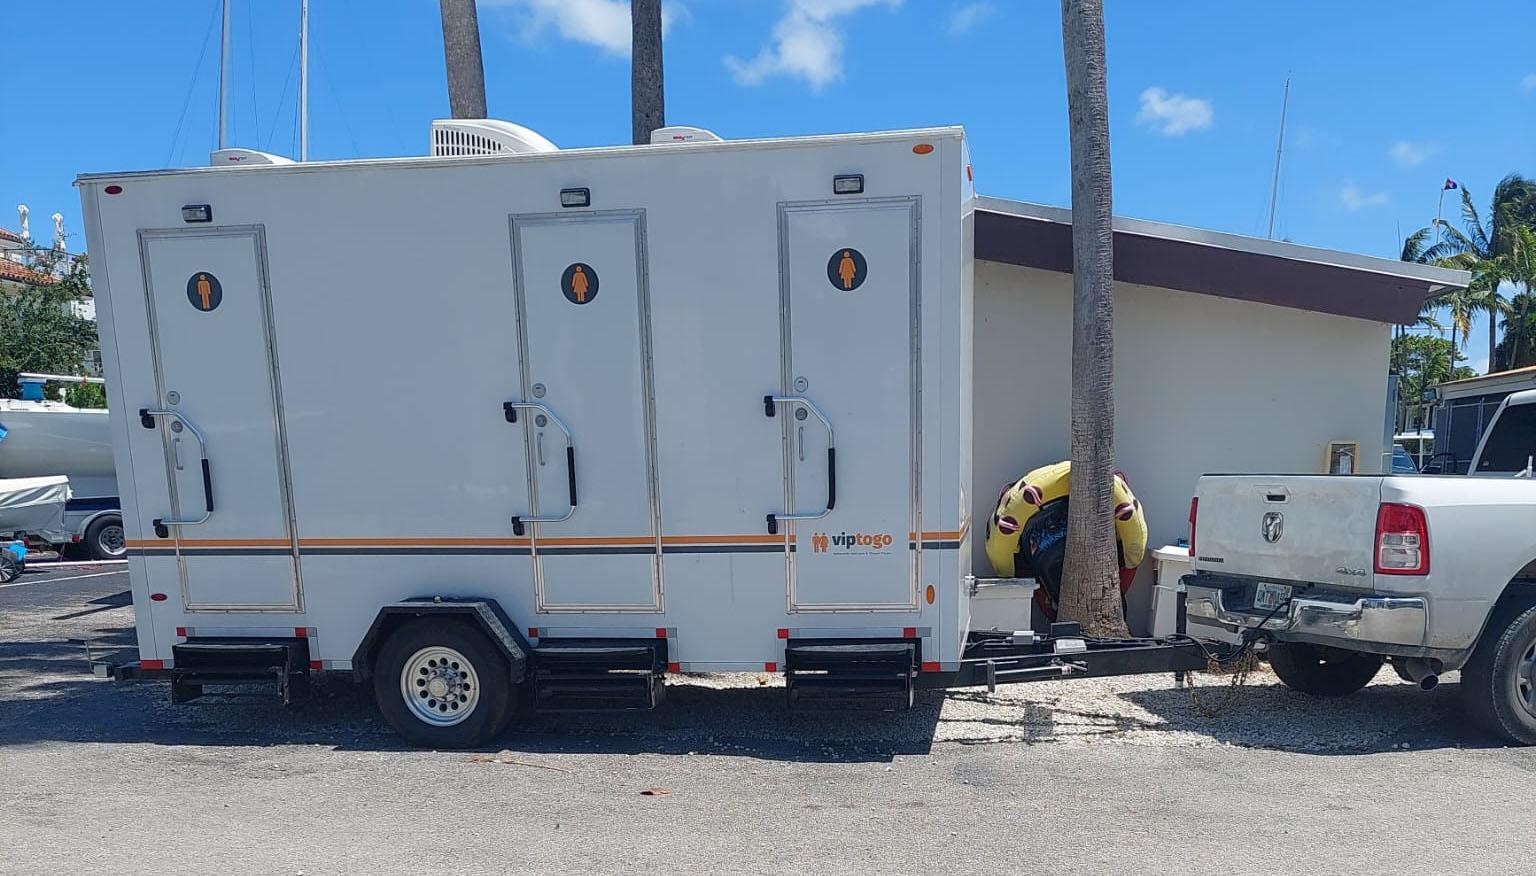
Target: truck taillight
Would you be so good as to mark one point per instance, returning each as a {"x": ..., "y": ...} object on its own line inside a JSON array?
[
  {"x": 1402, "y": 540},
  {"x": 1194, "y": 511}
]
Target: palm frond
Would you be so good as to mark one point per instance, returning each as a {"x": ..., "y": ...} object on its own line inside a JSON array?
[
  {"x": 1452, "y": 242},
  {"x": 1475, "y": 230},
  {"x": 1414, "y": 245}
]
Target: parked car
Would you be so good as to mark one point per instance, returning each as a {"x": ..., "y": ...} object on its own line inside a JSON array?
[
  {"x": 1402, "y": 461},
  {"x": 1342, "y": 574}
]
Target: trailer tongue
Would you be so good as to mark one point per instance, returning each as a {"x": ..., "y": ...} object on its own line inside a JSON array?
[{"x": 702, "y": 407}]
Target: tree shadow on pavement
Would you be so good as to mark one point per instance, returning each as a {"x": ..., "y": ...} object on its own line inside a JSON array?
[{"x": 1384, "y": 716}]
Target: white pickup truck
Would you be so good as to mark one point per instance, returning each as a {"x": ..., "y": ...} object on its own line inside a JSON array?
[{"x": 1340, "y": 574}]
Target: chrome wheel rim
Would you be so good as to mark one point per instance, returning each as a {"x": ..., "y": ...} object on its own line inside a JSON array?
[
  {"x": 440, "y": 686},
  {"x": 111, "y": 541},
  {"x": 1525, "y": 679}
]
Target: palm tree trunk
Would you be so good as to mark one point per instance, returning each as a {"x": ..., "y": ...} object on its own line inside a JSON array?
[
  {"x": 461, "y": 53},
  {"x": 647, "y": 95},
  {"x": 1090, "y": 592},
  {"x": 1493, "y": 340}
]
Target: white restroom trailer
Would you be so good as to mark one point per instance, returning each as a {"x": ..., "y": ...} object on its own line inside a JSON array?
[{"x": 546, "y": 424}]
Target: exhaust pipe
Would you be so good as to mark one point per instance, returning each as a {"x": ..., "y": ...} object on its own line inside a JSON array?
[{"x": 1417, "y": 670}]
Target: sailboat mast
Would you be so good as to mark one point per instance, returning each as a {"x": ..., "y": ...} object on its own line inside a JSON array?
[
  {"x": 224, "y": 82},
  {"x": 303, "y": 80},
  {"x": 1274, "y": 186}
]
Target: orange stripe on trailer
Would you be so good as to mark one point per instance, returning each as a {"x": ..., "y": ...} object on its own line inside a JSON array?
[
  {"x": 209, "y": 542},
  {"x": 415, "y": 541},
  {"x": 597, "y": 541},
  {"x": 724, "y": 539}
]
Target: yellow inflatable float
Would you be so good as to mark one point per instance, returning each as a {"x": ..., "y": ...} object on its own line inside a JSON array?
[{"x": 1045, "y": 490}]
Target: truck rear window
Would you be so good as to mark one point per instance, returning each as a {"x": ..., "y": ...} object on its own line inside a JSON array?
[{"x": 1512, "y": 442}]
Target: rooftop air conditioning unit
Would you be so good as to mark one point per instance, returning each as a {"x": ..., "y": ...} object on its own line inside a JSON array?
[
  {"x": 683, "y": 134},
  {"x": 454, "y": 137},
  {"x": 227, "y": 157}
]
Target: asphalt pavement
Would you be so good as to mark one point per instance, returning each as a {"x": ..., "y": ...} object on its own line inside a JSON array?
[{"x": 1121, "y": 775}]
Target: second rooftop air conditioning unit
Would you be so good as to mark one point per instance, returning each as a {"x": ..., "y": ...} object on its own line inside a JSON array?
[{"x": 457, "y": 137}]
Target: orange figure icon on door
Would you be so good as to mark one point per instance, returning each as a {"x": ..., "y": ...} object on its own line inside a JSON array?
[
  {"x": 847, "y": 270},
  {"x": 204, "y": 292},
  {"x": 579, "y": 283}
]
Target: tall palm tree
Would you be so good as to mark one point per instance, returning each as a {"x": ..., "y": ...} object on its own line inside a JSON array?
[
  {"x": 1090, "y": 592},
  {"x": 1414, "y": 247},
  {"x": 1518, "y": 267},
  {"x": 1479, "y": 249}
]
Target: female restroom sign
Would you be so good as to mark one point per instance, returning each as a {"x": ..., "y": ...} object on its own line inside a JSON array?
[
  {"x": 846, "y": 269},
  {"x": 579, "y": 283},
  {"x": 204, "y": 291}
]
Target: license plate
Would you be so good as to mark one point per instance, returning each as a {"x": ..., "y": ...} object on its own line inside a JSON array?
[{"x": 1267, "y": 596}]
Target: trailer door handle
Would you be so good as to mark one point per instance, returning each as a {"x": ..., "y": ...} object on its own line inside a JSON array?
[
  {"x": 520, "y": 521},
  {"x": 770, "y": 403},
  {"x": 162, "y": 525}
]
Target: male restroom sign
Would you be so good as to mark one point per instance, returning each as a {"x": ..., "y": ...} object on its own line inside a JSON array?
[{"x": 204, "y": 291}]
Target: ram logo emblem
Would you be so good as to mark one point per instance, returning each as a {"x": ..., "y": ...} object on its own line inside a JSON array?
[{"x": 1273, "y": 526}]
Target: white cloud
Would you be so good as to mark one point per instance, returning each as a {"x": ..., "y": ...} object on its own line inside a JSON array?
[
  {"x": 807, "y": 43},
  {"x": 1173, "y": 114},
  {"x": 1308, "y": 136},
  {"x": 1353, "y": 199},
  {"x": 964, "y": 19},
  {"x": 1406, "y": 154},
  {"x": 1529, "y": 82},
  {"x": 601, "y": 23}
]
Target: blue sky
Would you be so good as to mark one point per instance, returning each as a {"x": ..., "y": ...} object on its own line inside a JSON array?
[{"x": 1387, "y": 98}]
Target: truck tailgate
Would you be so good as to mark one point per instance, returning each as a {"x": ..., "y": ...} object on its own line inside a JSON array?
[{"x": 1288, "y": 527}]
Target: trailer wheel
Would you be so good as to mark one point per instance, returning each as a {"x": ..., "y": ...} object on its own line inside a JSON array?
[
  {"x": 1498, "y": 685},
  {"x": 442, "y": 684},
  {"x": 104, "y": 538},
  {"x": 1320, "y": 671}
]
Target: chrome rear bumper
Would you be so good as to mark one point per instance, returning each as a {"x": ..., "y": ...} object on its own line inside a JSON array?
[{"x": 1380, "y": 620}]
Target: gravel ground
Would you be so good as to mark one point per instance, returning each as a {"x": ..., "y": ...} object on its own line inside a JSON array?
[{"x": 1089, "y": 776}]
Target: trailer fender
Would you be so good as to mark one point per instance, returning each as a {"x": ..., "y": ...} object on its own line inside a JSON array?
[{"x": 486, "y": 614}]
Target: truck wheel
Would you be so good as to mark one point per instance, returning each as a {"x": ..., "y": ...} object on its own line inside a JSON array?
[
  {"x": 1498, "y": 685},
  {"x": 104, "y": 538},
  {"x": 1320, "y": 671},
  {"x": 442, "y": 684}
]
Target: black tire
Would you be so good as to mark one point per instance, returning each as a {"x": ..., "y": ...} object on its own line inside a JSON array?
[
  {"x": 1322, "y": 672},
  {"x": 10, "y": 570},
  {"x": 104, "y": 538},
  {"x": 1498, "y": 685},
  {"x": 487, "y": 668}
]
